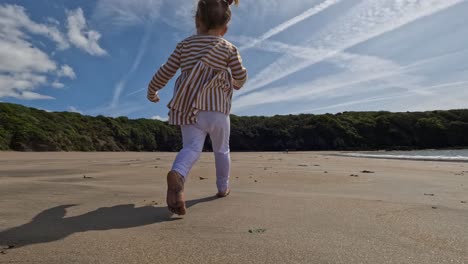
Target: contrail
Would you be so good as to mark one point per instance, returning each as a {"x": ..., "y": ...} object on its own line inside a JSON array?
[
  {"x": 381, "y": 70},
  {"x": 295, "y": 20},
  {"x": 120, "y": 87},
  {"x": 135, "y": 92},
  {"x": 372, "y": 21}
]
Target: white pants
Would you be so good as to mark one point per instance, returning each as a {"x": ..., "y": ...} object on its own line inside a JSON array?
[{"x": 217, "y": 125}]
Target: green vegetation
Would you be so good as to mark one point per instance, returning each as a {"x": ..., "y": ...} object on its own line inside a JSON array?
[{"x": 28, "y": 129}]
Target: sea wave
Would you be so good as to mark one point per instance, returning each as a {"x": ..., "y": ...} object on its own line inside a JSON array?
[{"x": 408, "y": 157}]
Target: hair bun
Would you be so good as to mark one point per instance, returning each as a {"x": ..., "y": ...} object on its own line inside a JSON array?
[{"x": 230, "y": 2}]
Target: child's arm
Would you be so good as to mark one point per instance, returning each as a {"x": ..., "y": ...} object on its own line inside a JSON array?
[
  {"x": 164, "y": 74},
  {"x": 239, "y": 72}
]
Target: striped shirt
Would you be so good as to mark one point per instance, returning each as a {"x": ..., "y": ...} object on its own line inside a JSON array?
[{"x": 211, "y": 69}]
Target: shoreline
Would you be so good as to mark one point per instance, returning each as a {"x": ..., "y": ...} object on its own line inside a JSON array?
[
  {"x": 415, "y": 158},
  {"x": 350, "y": 154}
]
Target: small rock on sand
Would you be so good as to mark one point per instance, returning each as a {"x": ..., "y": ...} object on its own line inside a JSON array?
[
  {"x": 463, "y": 202},
  {"x": 257, "y": 231},
  {"x": 354, "y": 175},
  {"x": 367, "y": 171},
  {"x": 434, "y": 207},
  {"x": 202, "y": 178},
  {"x": 429, "y": 194}
]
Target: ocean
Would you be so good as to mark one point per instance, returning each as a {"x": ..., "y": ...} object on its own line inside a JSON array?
[{"x": 460, "y": 155}]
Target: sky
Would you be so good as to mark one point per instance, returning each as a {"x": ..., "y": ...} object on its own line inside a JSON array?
[{"x": 96, "y": 57}]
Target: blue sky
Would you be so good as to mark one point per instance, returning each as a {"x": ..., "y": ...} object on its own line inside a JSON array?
[{"x": 315, "y": 56}]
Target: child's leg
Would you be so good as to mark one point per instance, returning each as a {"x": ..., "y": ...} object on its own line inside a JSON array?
[
  {"x": 218, "y": 126},
  {"x": 193, "y": 141}
]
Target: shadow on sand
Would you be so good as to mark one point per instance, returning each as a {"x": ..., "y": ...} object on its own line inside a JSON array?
[{"x": 51, "y": 224}]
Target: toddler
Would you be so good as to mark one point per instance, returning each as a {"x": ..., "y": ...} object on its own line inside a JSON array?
[{"x": 211, "y": 69}]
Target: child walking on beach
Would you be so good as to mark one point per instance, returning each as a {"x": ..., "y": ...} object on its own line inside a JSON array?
[{"x": 211, "y": 69}]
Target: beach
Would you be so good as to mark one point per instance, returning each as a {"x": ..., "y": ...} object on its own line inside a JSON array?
[{"x": 312, "y": 207}]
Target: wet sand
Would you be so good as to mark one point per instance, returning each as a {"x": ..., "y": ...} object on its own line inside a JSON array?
[{"x": 284, "y": 208}]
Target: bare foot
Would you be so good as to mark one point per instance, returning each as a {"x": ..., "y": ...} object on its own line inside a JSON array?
[
  {"x": 175, "y": 193},
  {"x": 223, "y": 194}
]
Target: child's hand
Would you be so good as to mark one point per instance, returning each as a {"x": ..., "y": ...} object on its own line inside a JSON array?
[
  {"x": 154, "y": 97},
  {"x": 235, "y": 85}
]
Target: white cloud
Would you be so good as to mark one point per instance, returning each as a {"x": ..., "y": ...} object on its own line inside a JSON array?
[
  {"x": 14, "y": 17},
  {"x": 27, "y": 95},
  {"x": 367, "y": 20},
  {"x": 24, "y": 67},
  {"x": 82, "y": 37},
  {"x": 19, "y": 55},
  {"x": 67, "y": 71},
  {"x": 58, "y": 85},
  {"x": 74, "y": 110},
  {"x": 160, "y": 118},
  {"x": 17, "y": 84},
  {"x": 53, "y": 21}
]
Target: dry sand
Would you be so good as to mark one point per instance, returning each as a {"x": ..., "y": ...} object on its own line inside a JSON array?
[{"x": 284, "y": 208}]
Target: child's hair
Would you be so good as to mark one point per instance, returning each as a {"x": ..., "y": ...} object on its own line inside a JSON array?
[{"x": 214, "y": 13}]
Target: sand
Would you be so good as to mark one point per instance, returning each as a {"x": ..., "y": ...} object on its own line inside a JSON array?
[{"x": 284, "y": 208}]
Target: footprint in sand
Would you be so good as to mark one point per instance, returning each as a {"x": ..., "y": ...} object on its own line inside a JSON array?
[{"x": 153, "y": 203}]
